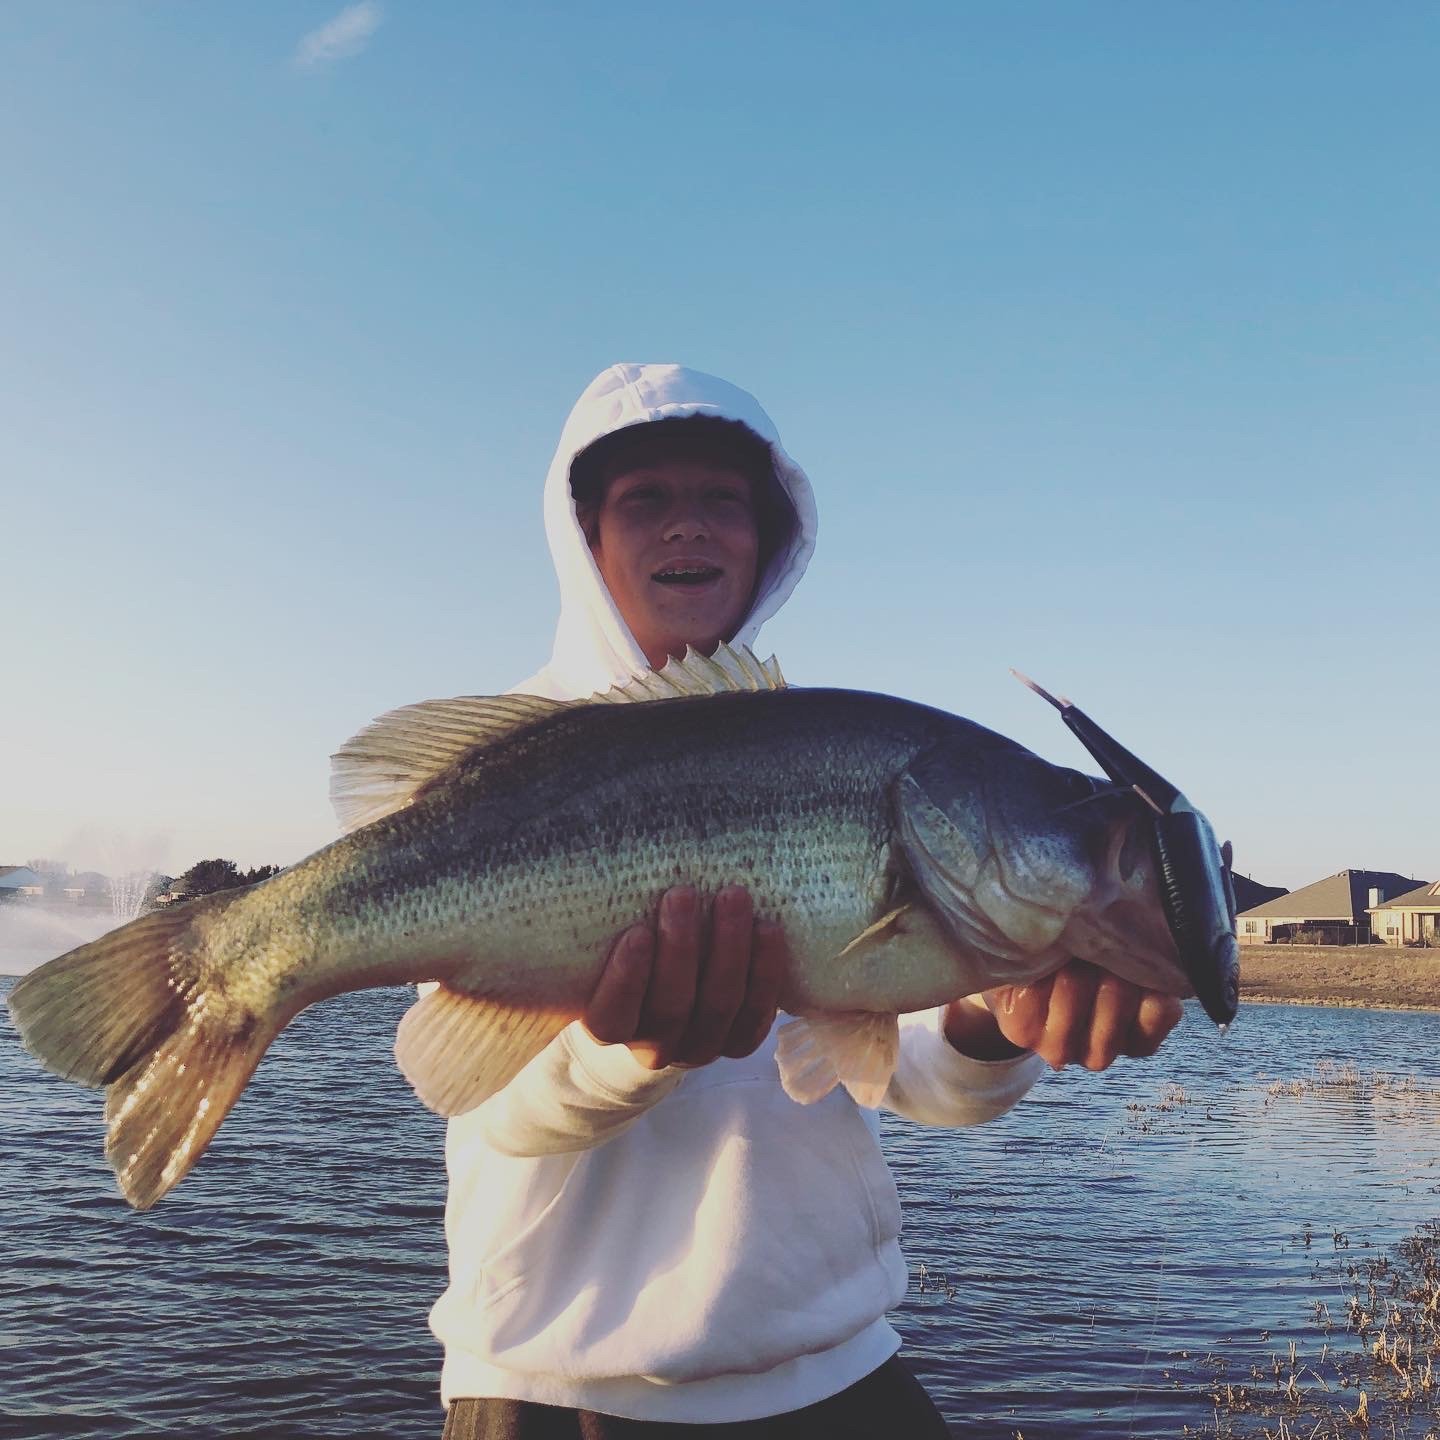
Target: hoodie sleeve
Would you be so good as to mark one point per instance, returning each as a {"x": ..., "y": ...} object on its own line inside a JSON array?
[
  {"x": 936, "y": 1085},
  {"x": 574, "y": 1095}
]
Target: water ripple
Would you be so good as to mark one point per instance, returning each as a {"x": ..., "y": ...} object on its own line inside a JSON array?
[{"x": 1082, "y": 1267}]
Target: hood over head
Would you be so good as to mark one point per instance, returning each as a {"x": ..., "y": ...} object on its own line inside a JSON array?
[{"x": 593, "y": 645}]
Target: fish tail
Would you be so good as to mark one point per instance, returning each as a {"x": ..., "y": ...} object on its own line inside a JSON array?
[{"x": 133, "y": 1011}]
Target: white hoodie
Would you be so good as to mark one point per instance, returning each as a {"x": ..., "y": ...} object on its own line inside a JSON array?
[{"x": 680, "y": 1245}]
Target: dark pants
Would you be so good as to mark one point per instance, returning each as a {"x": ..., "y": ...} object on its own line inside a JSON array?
[{"x": 888, "y": 1404}]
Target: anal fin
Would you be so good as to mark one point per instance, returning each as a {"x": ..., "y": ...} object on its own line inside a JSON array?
[
  {"x": 858, "y": 1050},
  {"x": 457, "y": 1050}
]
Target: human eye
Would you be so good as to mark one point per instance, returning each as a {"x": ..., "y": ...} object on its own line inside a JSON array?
[
  {"x": 640, "y": 492},
  {"x": 730, "y": 495}
]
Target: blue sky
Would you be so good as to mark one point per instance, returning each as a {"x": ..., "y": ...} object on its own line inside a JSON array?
[{"x": 1107, "y": 333}]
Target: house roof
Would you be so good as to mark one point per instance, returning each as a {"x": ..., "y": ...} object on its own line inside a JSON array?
[
  {"x": 1250, "y": 892},
  {"x": 19, "y": 870},
  {"x": 1337, "y": 897},
  {"x": 1425, "y": 897}
]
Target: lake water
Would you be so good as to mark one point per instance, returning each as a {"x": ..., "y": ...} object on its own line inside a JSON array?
[{"x": 1103, "y": 1261}]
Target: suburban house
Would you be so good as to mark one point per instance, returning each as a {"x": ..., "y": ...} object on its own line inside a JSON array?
[
  {"x": 1409, "y": 919},
  {"x": 20, "y": 880},
  {"x": 88, "y": 887},
  {"x": 1249, "y": 893},
  {"x": 1332, "y": 911}
]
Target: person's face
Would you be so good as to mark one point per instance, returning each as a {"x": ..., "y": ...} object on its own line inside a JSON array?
[{"x": 676, "y": 544}]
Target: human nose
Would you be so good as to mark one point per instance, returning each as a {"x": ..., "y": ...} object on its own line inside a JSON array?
[{"x": 687, "y": 521}]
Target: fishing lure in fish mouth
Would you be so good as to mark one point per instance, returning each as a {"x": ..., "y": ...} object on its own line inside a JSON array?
[{"x": 1195, "y": 876}]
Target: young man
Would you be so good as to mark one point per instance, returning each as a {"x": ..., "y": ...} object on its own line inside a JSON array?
[{"x": 645, "y": 1232}]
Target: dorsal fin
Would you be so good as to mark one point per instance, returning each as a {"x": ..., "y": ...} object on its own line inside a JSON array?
[
  {"x": 730, "y": 669},
  {"x": 379, "y": 770}
]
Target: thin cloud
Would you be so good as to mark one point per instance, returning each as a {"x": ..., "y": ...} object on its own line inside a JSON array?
[{"x": 339, "y": 38}]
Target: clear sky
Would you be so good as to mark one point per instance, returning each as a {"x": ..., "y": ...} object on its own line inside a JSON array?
[{"x": 1106, "y": 331}]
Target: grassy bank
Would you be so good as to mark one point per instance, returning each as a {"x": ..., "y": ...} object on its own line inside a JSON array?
[{"x": 1376, "y": 977}]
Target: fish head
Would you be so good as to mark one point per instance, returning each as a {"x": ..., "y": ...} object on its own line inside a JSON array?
[
  {"x": 1008, "y": 848},
  {"x": 1033, "y": 864}
]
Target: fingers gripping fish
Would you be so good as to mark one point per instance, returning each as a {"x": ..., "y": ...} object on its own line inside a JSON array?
[{"x": 497, "y": 845}]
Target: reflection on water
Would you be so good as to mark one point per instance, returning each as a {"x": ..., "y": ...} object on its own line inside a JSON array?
[
  {"x": 1094, "y": 1261},
  {"x": 1093, "y": 1264}
]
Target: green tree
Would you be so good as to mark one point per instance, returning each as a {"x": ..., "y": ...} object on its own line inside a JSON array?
[
  {"x": 208, "y": 876},
  {"x": 205, "y": 877}
]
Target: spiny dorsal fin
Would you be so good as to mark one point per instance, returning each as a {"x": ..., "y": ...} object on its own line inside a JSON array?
[
  {"x": 730, "y": 669},
  {"x": 379, "y": 770}
]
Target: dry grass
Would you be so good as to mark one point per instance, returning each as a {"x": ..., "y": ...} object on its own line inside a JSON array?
[
  {"x": 1348, "y": 1080},
  {"x": 1374, "y": 1372}
]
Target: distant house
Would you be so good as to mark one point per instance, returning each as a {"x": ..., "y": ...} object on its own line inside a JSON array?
[
  {"x": 1249, "y": 893},
  {"x": 88, "y": 887},
  {"x": 1409, "y": 919},
  {"x": 1332, "y": 911},
  {"x": 20, "y": 880}
]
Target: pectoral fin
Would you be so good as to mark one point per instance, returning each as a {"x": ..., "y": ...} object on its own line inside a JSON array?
[
  {"x": 457, "y": 1050},
  {"x": 880, "y": 930},
  {"x": 858, "y": 1050}
]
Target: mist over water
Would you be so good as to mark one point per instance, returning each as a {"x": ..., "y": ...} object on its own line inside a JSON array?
[
  {"x": 1092, "y": 1264},
  {"x": 32, "y": 933},
  {"x": 127, "y": 894},
  {"x": 34, "y": 929}
]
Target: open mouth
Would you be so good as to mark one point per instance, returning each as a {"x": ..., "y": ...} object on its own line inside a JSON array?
[{"x": 689, "y": 573}]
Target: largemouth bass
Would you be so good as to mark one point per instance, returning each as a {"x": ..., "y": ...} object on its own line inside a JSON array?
[{"x": 498, "y": 845}]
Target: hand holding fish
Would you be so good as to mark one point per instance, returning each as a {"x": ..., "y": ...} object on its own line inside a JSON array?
[
  {"x": 692, "y": 988},
  {"x": 686, "y": 992},
  {"x": 1080, "y": 1015}
]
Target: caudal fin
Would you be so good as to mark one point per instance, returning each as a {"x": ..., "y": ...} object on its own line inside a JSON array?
[{"x": 133, "y": 1011}]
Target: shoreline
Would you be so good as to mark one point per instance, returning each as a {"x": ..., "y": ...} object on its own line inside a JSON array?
[
  {"x": 1350, "y": 977},
  {"x": 1332, "y": 1002}
]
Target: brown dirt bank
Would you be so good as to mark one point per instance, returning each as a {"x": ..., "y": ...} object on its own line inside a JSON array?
[{"x": 1373, "y": 977}]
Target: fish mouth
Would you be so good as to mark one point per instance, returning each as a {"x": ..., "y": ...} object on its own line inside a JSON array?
[{"x": 687, "y": 574}]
